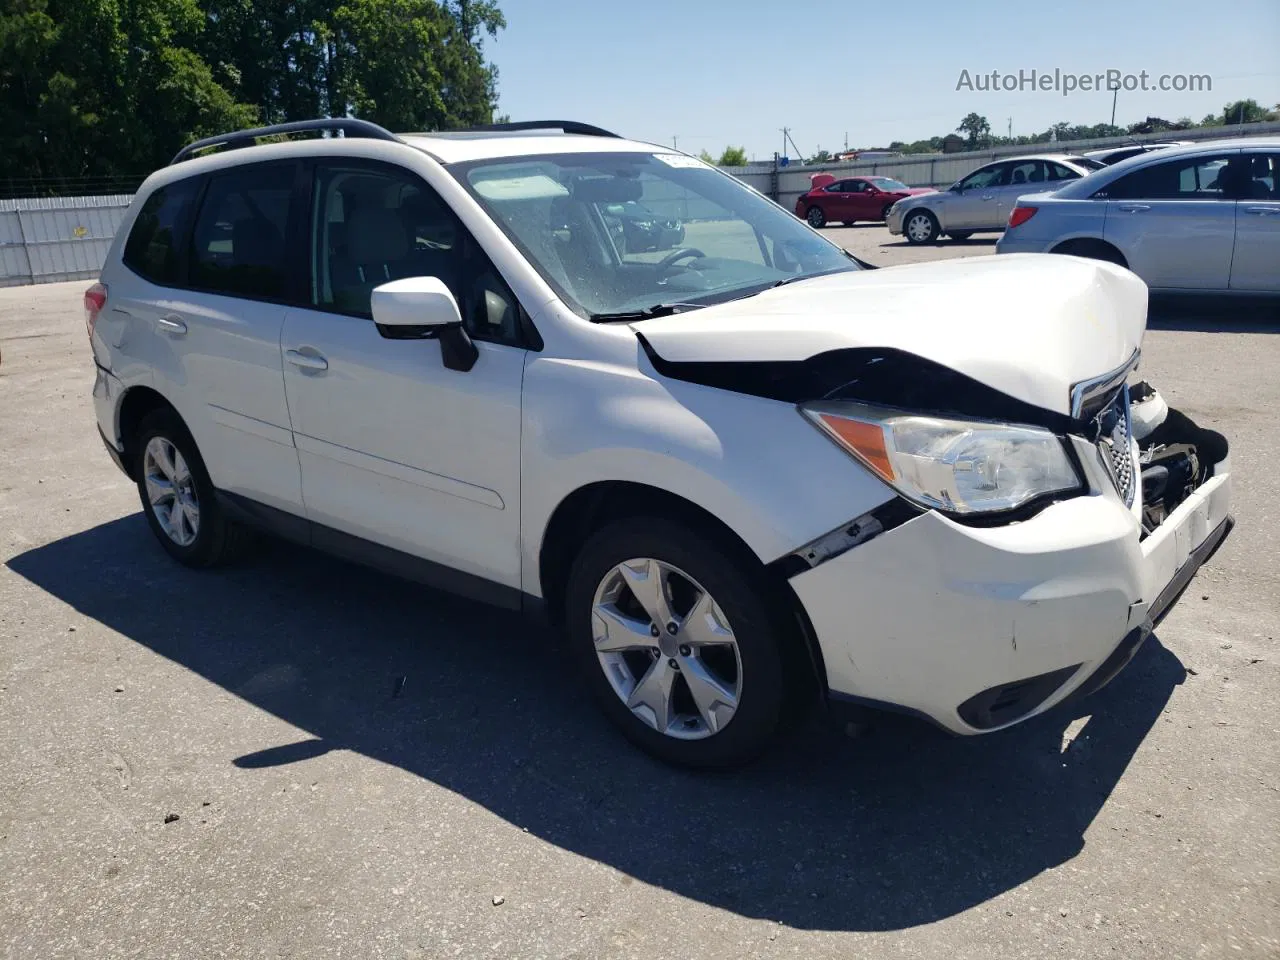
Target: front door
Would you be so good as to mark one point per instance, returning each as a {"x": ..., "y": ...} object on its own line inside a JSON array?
[
  {"x": 395, "y": 447},
  {"x": 972, "y": 203},
  {"x": 1256, "y": 262},
  {"x": 1175, "y": 221}
]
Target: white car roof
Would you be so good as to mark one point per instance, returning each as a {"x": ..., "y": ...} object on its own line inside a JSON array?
[{"x": 486, "y": 145}]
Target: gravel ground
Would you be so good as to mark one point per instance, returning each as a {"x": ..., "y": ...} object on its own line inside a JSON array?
[{"x": 301, "y": 758}]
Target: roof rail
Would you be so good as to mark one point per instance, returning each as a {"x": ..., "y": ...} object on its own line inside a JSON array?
[
  {"x": 564, "y": 126},
  {"x": 349, "y": 126}
]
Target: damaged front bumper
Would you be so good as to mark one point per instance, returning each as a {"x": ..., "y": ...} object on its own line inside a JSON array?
[{"x": 976, "y": 628}]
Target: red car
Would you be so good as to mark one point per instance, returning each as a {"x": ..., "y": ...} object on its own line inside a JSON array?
[{"x": 852, "y": 199}]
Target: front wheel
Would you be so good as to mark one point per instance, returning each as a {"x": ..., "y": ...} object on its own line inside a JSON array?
[
  {"x": 674, "y": 636},
  {"x": 920, "y": 226},
  {"x": 817, "y": 219}
]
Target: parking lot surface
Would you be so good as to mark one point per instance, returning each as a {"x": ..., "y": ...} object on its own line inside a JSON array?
[{"x": 296, "y": 757}]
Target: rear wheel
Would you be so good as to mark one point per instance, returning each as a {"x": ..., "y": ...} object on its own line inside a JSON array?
[
  {"x": 960, "y": 234},
  {"x": 178, "y": 497},
  {"x": 817, "y": 219},
  {"x": 920, "y": 226},
  {"x": 675, "y": 638}
]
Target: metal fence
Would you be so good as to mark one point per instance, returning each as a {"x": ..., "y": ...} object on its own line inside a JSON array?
[
  {"x": 48, "y": 239},
  {"x": 66, "y": 238}
]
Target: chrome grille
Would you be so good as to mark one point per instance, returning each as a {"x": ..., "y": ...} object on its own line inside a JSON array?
[{"x": 1115, "y": 444}]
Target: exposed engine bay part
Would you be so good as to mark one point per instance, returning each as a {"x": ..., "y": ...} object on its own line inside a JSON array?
[
  {"x": 1175, "y": 458},
  {"x": 1147, "y": 409},
  {"x": 846, "y": 536}
]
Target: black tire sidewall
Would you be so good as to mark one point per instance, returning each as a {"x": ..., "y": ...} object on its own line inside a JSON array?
[
  {"x": 822, "y": 217},
  {"x": 741, "y": 595},
  {"x": 201, "y": 551}
]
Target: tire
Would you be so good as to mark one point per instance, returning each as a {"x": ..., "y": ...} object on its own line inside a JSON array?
[
  {"x": 920, "y": 226},
  {"x": 166, "y": 456},
  {"x": 884, "y": 214},
  {"x": 817, "y": 219},
  {"x": 754, "y": 668},
  {"x": 960, "y": 234}
]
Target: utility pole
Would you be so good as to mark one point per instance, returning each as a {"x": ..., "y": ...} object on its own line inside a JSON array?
[
  {"x": 846, "y": 141},
  {"x": 1011, "y": 128},
  {"x": 1115, "y": 92},
  {"x": 674, "y": 142}
]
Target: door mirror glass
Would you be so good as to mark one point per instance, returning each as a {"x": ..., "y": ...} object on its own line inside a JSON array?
[{"x": 423, "y": 302}]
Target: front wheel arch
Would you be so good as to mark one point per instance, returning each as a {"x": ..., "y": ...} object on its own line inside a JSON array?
[{"x": 594, "y": 506}]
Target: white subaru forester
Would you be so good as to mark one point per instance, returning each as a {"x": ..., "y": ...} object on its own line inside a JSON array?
[{"x": 743, "y": 471}]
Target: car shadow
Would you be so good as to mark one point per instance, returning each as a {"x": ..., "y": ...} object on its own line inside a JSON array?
[
  {"x": 975, "y": 241},
  {"x": 1214, "y": 314},
  {"x": 899, "y": 827}
]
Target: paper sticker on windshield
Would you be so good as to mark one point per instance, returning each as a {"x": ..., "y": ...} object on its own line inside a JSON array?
[
  {"x": 537, "y": 186},
  {"x": 678, "y": 160}
]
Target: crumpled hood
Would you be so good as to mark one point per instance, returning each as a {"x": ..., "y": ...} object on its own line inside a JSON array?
[{"x": 1027, "y": 325}]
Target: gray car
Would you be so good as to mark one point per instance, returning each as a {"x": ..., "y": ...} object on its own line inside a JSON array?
[
  {"x": 1198, "y": 218},
  {"x": 981, "y": 201}
]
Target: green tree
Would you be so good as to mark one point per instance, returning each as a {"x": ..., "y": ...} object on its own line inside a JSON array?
[
  {"x": 976, "y": 128},
  {"x": 706, "y": 157},
  {"x": 822, "y": 156},
  {"x": 733, "y": 157},
  {"x": 1243, "y": 111}
]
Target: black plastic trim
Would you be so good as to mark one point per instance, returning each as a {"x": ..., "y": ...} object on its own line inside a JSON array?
[
  {"x": 894, "y": 513},
  {"x": 1006, "y": 702},
  {"x": 349, "y": 547},
  {"x": 1110, "y": 668},
  {"x": 347, "y": 126},
  {"x": 853, "y": 707},
  {"x": 564, "y": 126}
]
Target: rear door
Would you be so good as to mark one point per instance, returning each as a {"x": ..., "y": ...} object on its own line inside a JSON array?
[
  {"x": 215, "y": 323},
  {"x": 1255, "y": 264},
  {"x": 838, "y": 200},
  {"x": 1023, "y": 177},
  {"x": 1175, "y": 221}
]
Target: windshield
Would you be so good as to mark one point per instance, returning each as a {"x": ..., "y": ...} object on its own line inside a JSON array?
[
  {"x": 889, "y": 185},
  {"x": 622, "y": 233}
]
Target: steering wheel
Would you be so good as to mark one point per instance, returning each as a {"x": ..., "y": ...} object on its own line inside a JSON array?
[{"x": 675, "y": 255}]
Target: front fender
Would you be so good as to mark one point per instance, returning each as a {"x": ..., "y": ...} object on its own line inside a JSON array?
[{"x": 754, "y": 463}]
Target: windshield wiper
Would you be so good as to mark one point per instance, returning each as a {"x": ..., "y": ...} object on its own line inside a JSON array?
[{"x": 647, "y": 313}]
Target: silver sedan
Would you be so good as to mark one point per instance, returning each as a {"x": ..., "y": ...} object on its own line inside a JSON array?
[
  {"x": 1199, "y": 218},
  {"x": 982, "y": 200}
]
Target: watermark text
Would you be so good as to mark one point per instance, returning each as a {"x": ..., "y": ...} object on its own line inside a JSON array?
[{"x": 1066, "y": 83}]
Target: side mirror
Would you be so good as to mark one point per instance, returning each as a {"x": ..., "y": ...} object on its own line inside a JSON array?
[{"x": 420, "y": 308}]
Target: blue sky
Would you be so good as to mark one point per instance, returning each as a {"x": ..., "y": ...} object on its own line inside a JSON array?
[{"x": 713, "y": 73}]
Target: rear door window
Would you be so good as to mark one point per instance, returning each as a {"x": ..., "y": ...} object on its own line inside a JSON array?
[
  {"x": 238, "y": 240},
  {"x": 153, "y": 249},
  {"x": 1058, "y": 172}
]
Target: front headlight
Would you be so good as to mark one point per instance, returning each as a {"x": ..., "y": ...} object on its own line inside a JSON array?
[{"x": 957, "y": 466}]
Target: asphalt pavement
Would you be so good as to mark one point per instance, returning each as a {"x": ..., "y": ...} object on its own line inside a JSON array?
[{"x": 297, "y": 757}]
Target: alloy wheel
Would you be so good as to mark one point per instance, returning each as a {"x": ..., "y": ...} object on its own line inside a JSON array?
[
  {"x": 920, "y": 227},
  {"x": 666, "y": 648},
  {"x": 171, "y": 491}
]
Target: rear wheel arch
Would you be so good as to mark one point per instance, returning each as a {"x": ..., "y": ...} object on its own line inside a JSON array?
[
  {"x": 597, "y": 505},
  {"x": 1093, "y": 248},
  {"x": 136, "y": 405}
]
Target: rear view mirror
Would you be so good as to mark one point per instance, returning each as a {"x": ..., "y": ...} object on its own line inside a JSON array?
[{"x": 418, "y": 308}]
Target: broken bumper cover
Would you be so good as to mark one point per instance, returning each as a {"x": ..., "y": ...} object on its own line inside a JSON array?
[{"x": 975, "y": 628}]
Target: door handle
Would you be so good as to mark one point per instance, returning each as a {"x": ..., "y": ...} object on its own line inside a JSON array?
[
  {"x": 306, "y": 361},
  {"x": 172, "y": 323},
  {"x": 1134, "y": 207},
  {"x": 1263, "y": 211}
]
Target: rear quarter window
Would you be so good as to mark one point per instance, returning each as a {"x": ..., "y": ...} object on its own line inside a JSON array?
[{"x": 153, "y": 249}]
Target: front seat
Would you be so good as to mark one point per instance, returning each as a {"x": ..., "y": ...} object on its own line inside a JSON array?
[
  {"x": 1019, "y": 176},
  {"x": 377, "y": 251}
]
